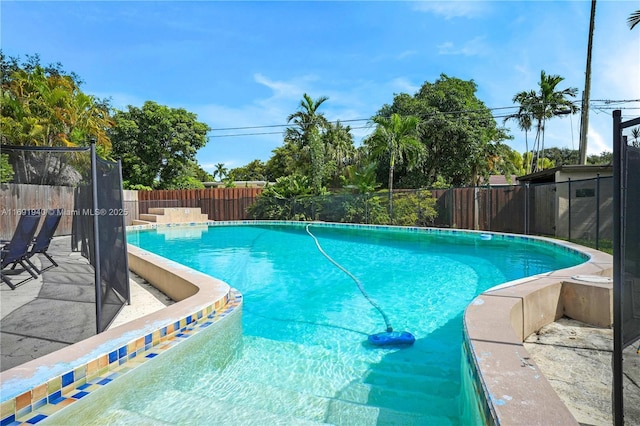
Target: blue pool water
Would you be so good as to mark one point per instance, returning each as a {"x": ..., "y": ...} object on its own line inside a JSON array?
[{"x": 302, "y": 357}]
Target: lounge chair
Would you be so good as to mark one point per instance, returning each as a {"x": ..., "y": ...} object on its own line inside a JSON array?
[
  {"x": 43, "y": 239},
  {"x": 17, "y": 250}
]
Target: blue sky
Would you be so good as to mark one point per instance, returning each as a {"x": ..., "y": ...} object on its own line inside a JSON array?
[{"x": 245, "y": 64}]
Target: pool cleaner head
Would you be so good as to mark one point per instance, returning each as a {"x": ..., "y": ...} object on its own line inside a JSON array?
[{"x": 392, "y": 338}]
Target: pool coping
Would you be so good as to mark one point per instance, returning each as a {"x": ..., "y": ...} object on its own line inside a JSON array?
[
  {"x": 497, "y": 321},
  {"x": 495, "y": 324}
]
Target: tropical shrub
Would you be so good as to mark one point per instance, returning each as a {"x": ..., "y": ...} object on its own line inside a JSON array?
[{"x": 414, "y": 209}]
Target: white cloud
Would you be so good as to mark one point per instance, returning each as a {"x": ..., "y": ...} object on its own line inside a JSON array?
[
  {"x": 452, "y": 9},
  {"x": 406, "y": 54},
  {"x": 473, "y": 47},
  {"x": 401, "y": 84}
]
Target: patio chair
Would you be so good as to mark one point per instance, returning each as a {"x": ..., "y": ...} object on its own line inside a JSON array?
[
  {"x": 43, "y": 239},
  {"x": 17, "y": 250}
]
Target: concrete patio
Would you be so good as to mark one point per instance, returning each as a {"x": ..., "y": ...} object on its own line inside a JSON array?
[{"x": 57, "y": 309}]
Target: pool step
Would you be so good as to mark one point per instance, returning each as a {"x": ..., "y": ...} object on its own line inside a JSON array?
[
  {"x": 348, "y": 380},
  {"x": 122, "y": 416},
  {"x": 172, "y": 215},
  {"x": 188, "y": 408},
  {"x": 333, "y": 372}
]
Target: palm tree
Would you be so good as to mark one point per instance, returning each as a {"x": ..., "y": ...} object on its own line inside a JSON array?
[
  {"x": 305, "y": 118},
  {"x": 634, "y": 19},
  {"x": 545, "y": 104},
  {"x": 307, "y": 134},
  {"x": 340, "y": 149},
  {"x": 395, "y": 137},
  {"x": 635, "y": 134},
  {"x": 220, "y": 171},
  {"x": 524, "y": 117}
]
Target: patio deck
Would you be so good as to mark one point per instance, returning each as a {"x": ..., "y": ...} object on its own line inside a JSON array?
[{"x": 57, "y": 309}]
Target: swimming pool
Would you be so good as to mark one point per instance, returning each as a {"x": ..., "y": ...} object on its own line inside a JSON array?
[{"x": 300, "y": 357}]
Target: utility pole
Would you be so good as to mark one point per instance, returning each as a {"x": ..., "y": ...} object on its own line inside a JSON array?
[{"x": 584, "y": 119}]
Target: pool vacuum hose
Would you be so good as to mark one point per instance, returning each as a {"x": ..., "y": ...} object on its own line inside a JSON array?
[{"x": 384, "y": 338}]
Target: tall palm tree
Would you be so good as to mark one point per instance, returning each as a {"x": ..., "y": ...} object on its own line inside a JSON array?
[
  {"x": 634, "y": 19},
  {"x": 305, "y": 118},
  {"x": 524, "y": 117},
  {"x": 220, "y": 171},
  {"x": 307, "y": 135},
  {"x": 545, "y": 104},
  {"x": 396, "y": 138},
  {"x": 340, "y": 149}
]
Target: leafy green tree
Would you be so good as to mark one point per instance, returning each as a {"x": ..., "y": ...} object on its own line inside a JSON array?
[
  {"x": 200, "y": 174},
  {"x": 360, "y": 179},
  {"x": 562, "y": 156},
  {"x": 604, "y": 158},
  {"x": 157, "y": 144},
  {"x": 6, "y": 169},
  {"x": 455, "y": 130},
  {"x": 44, "y": 106},
  {"x": 395, "y": 139},
  {"x": 540, "y": 163},
  {"x": 255, "y": 170},
  {"x": 285, "y": 161}
]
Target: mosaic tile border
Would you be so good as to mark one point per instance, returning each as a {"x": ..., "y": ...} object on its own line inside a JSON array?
[{"x": 47, "y": 399}]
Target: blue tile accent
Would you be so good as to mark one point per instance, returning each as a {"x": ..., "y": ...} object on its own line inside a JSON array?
[
  {"x": 148, "y": 339},
  {"x": 189, "y": 319},
  {"x": 113, "y": 356},
  {"x": 57, "y": 400},
  {"x": 83, "y": 387},
  {"x": 67, "y": 379},
  {"x": 35, "y": 419},
  {"x": 163, "y": 332},
  {"x": 8, "y": 420},
  {"x": 151, "y": 355},
  {"x": 80, "y": 395},
  {"x": 104, "y": 382},
  {"x": 55, "y": 397},
  {"x": 122, "y": 352},
  {"x": 176, "y": 325}
]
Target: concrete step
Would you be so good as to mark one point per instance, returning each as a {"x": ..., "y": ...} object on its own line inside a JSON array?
[{"x": 175, "y": 215}]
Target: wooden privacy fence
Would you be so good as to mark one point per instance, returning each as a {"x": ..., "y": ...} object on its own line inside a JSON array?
[
  {"x": 500, "y": 209},
  {"x": 16, "y": 198},
  {"x": 573, "y": 210},
  {"x": 216, "y": 203}
]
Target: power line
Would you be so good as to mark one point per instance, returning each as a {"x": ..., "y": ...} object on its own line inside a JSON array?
[{"x": 607, "y": 106}]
